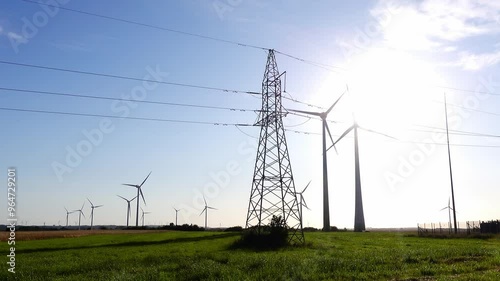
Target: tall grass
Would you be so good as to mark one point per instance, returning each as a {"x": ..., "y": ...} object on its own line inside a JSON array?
[{"x": 209, "y": 256}]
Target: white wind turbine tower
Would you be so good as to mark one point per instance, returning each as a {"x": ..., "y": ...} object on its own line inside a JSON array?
[
  {"x": 80, "y": 215},
  {"x": 302, "y": 201},
  {"x": 359, "y": 217},
  {"x": 128, "y": 205},
  {"x": 144, "y": 213},
  {"x": 67, "y": 215},
  {"x": 323, "y": 116},
  {"x": 449, "y": 213},
  {"x": 176, "y": 211},
  {"x": 92, "y": 213},
  {"x": 206, "y": 211},
  {"x": 139, "y": 192}
]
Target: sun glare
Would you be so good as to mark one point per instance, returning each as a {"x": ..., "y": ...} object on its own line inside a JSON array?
[{"x": 390, "y": 90}]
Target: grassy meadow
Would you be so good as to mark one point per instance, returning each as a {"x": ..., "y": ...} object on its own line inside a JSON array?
[{"x": 178, "y": 255}]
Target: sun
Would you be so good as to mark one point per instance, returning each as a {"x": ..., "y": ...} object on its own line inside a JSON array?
[{"x": 390, "y": 90}]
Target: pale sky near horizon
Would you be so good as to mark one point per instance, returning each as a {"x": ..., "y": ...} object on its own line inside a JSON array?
[{"x": 397, "y": 60}]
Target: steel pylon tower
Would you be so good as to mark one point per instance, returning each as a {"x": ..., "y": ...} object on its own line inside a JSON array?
[{"x": 273, "y": 188}]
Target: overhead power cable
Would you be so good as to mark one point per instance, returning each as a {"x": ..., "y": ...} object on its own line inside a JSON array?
[
  {"x": 201, "y": 36},
  {"x": 125, "y": 117},
  {"x": 331, "y": 68},
  {"x": 124, "y": 100},
  {"x": 147, "y": 25},
  {"x": 125, "y": 77},
  {"x": 143, "y": 80}
]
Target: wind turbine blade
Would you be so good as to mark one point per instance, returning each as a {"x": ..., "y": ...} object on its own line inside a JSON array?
[
  {"x": 304, "y": 203},
  {"x": 379, "y": 133},
  {"x": 145, "y": 179},
  {"x": 133, "y": 185},
  {"x": 305, "y": 112},
  {"x": 444, "y": 208},
  {"x": 122, "y": 197},
  {"x": 203, "y": 210},
  {"x": 142, "y": 195},
  {"x": 205, "y": 200},
  {"x": 211, "y": 208},
  {"x": 132, "y": 199},
  {"x": 66, "y": 209},
  {"x": 90, "y": 202},
  {"x": 329, "y": 133},
  {"x": 98, "y": 206},
  {"x": 83, "y": 214},
  {"x": 306, "y": 187},
  {"x": 331, "y": 107},
  {"x": 83, "y": 205},
  {"x": 344, "y": 134}
]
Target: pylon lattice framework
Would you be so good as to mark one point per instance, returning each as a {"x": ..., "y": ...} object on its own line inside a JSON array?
[{"x": 273, "y": 188}]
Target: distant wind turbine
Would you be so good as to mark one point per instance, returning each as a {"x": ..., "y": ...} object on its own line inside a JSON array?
[
  {"x": 206, "y": 211},
  {"x": 139, "y": 192},
  {"x": 144, "y": 213},
  {"x": 176, "y": 211},
  {"x": 80, "y": 215},
  {"x": 128, "y": 205},
  {"x": 302, "y": 201},
  {"x": 67, "y": 215},
  {"x": 323, "y": 116},
  {"x": 92, "y": 213},
  {"x": 449, "y": 213},
  {"x": 359, "y": 217}
]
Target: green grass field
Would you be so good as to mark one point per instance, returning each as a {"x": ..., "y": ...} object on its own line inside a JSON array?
[{"x": 208, "y": 256}]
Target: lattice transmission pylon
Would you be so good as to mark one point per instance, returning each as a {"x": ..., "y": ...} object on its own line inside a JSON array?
[{"x": 273, "y": 188}]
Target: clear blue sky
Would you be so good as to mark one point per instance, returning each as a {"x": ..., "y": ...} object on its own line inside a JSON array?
[{"x": 391, "y": 56}]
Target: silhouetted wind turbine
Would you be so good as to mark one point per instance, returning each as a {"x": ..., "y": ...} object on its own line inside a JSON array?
[
  {"x": 139, "y": 192},
  {"x": 206, "y": 211},
  {"x": 302, "y": 201},
  {"x": 449, "y": 213},
  {"x": 323, "y": 116},
  {"x": 359, "y": 217},
  {"x": 92, "y": 213},
  {"x": 128, "y": 205},
  {"x": 176, "y": 211},
  {"x": 144, "y": 213},
  {"x": 67, "y": 215},
  {"x": 449, "y": 163},
  {"x": 80, "y": 215}
]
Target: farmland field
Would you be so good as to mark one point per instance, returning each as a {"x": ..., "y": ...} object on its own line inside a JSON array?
[{"x": 162, "y": 255}]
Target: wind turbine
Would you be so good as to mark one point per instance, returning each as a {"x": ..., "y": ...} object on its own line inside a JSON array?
[
  {"x": 92, "y": 213},
  {"x": 176, "y": 211},
  {"x": 449, "y": 163},
  {"x": 302, "y": 201},
  {"x": 323, "y": 116},
  {"x": 359, "y": 217},
  {"x": 139, "y": 192},
  {"x": 449, "y": 213},
  {"x": 128, "y": 205},
  {"x": 144, "y": 213},
  {"x": 67, "y": 215},
  {"x": 206, "y": 211},
  {"x": 80, "y": 215}
]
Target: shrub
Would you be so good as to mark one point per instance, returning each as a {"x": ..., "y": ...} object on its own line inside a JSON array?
[{"x": 272, "y": 236}]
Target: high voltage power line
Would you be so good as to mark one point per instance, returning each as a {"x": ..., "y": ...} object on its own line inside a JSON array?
[
  {"x": 38, "y": 92},
  {"x": 329, "y": 67},
  {"x": 106, "y": 75},
  {"x": 215, "y": 124},
  {"x": 126, "y": 117}
]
